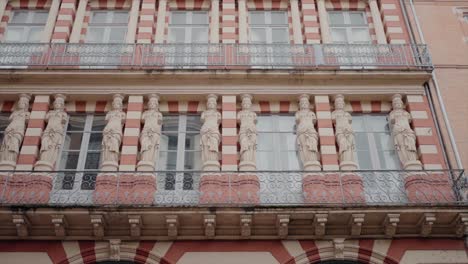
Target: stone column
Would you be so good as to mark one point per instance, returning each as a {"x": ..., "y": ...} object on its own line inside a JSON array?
[
  {"x": 78, "y": 24},
  {"x": 49, "y": 28},
  {"x": 243, "y": 38},
  {"x": 161, "y": 22},
  {"x": 214, "y": 26},
  {"x": 376, "y": 18},
  {"x": 323, "y": 17},
  {"x": 132, "y": 22},
  {"x": 296, "y": 22}
]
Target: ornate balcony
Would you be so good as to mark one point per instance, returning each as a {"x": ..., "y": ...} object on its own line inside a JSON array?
[{"x": 213, "y": 56}]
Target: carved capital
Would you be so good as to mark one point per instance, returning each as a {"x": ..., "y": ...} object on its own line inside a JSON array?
[
  {"x": 390, "y": 224},
  {"x": 426, "y": 222},
  {"x": 320, "y": 221},
  {"x": 135, "y": 225},
  {"x": 246, "y": 225},
  {"x": 172, "y": 224},
  {"x": 22, "y": 225},
  {"x": 356, "y": 222},
  {"x": 60, "y": 224},
  {"x": 97, "y": 220},
  {"x": 210, "y": 225},
  {"x": 282, "y": 225}
]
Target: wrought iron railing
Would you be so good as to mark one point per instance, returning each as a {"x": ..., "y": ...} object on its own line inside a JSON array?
[
  {"x": 259, "y": 188},
  {"x": 213, "y": 56}
]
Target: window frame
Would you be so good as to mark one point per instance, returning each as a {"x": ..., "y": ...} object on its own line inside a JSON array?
[
  {"x": 107, "y": 26},
  {"x": 26, "y": 26},
  {"x": 188, "y": 26},
  {"x": 268, "y": 26},
  {"x": 348, "y": 26}
]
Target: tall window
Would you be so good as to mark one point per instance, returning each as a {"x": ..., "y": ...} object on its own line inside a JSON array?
[
  {"x": 179, "y": 151},
  {"x": 188, "y": 27},
  {"x": 81, "y": 152},
  {"x": 276, "y": 147},
  {"x": 374, "y": 144},
  {"x": 107, "y": 27},
  {"x": 26, "y": 26},
  {"x": 349, "y": 27}
]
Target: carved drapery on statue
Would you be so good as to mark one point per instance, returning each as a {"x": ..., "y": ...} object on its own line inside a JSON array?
[
  {"x": 112, "y": 135},
  {"x": 307, "y": 136},
  {"x": 14, "y": 133},
  {"x": 247, "y": 134},
  {"x": 150, "y": 136},
  {"x": 210, "y": 135},
  {"x": 344, "y": 135},
  {"x": 404, "y": 137},
  {"x": 53, "y": 135}
]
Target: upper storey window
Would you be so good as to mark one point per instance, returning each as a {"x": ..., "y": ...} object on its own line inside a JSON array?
[
  {"x": 26, "y": 26},
  {"x": 107, "y": 27},
  {"x": 349, "y": 27},
  {"x": 269, "y": 27},
  {"x": 188, "y": 27}
]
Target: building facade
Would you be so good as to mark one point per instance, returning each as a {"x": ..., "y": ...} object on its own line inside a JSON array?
[{"x": 229, "y": 131}]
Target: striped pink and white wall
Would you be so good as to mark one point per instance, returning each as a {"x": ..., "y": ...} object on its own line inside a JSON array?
[{"x": 65, "y": 19}]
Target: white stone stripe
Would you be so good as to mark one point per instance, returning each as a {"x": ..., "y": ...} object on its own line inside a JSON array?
[
  {"x": 72, "y": 251},
  {"x": 229, "y": 115},
  {"x": 128, "y": 250},
  {"x": 134, "y": 115},
  {"x": 325, "y": 131},
  {"x": 380, "y": 248},
  {"x": 328, "y": 149},
  {"x": 33, "y": 132},
  {"x": 227, "y": 167},
  {"x": 433, "y": 166},
  {"x": 29, "y": 150},
  {"x": 428, "y": 149},
  {"x": 330, "y": 167},
  {"x": 38, "y": 114},
  {"x": 366, "y": 107},
  {"x": 293, "y": 247},
  {"x": 229, "y": 149},
  {"x": 415, "y": 98},
  {"x": 419, "y": 115},
  {"x": 323, "y": 115},
  {"x": 132, "y": 131},
  {"x": 229, "y": 131},
  {"x": 423, "y": 131},
  {"x": 321, "y": 99},
  {"x": 159, "y": 249},
  {"x": 129, "y": 149},
  {"x": 229, "y": 99}
]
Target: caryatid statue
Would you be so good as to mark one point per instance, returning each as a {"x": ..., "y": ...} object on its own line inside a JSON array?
[
  {"x": 344, "y": 135},
  {"x": 404, "y": 137},
  {"x": 14, "y": 133},
  {"x": 210, "y": 136},
  {"x": 307, "y": 136},
  {"x": 150, "y": 136},
  {"x": 53, "y": 136},
  {"x": 247, "y": 134},
  {"x": 112, "y": 135}
]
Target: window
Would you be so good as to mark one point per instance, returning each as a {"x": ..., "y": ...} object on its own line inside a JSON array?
[
  {"x": 26, "y": 26},
  {"x": 179, "y": 151},
  {"x": 465, "y": 17},
  {"x": 276, "y": 147},
  {"x": 81, "y": 152},
  {"x": 374, "y": 144},
  {"x": 4, "y": 122},
  {"x": 107, "y": 27},
  {"x": 349, "y": 27}
]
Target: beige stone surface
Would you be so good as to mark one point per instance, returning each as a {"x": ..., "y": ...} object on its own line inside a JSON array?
[
  {"x": 227, "y": 258},
  {"x": 25, "y": 257},
  {"x": 434, "y": 256}
]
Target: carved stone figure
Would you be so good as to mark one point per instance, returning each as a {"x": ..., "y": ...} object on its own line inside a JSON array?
[
  {"x": 53, "y": 135},
  {"x": 150, "y": 136},
  {"x": 344, "y": 135},
  {"x": 307, "y": 136},
  {"x": 112, "y": 135},
  {"x": 210, "y": 136},
  {"x": 247, "y": 134},
  {"x": 404, "y": 137},
  {"x": 14, "y": 133}
]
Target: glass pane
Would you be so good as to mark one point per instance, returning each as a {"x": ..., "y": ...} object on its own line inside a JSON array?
[
  {"x": 179, "y": 18},
  {"x": 377, "y": 123},
  {"x": 99, "y": 123},
  {"x": 193, "y": 123},
  {"x": 95, "y": 140},
  {"x": 288, "y": 141},
  {"x": 199, "y": 35},
  {"x": 40, "y": 17},
  {"x": 357, "y": 18},
  {"x": 339, "y": 35},
  {"x": 336, "y": 18},
  {"x": 384, "y": 141},
  {"x": 76, "y": 123},
  {"x": 358, "y": 123},
  {"x": 117, "y": 35},
  {"x": 389, "y": 160},
  {"x": 360, "y": 35},
  {"x": 279, "y": 18},
  {"x": 290, "y": 161},
  {"x": 167, "y": 160},
  {"x": 19, "y": 17},
  {"x": 265, "y": 142},
  {"x": 265, "y": 160},
  {"x": 88, "y": 181},
  {"x": 264, "y": 123},
  {"x": 286, "y": 123},
  {"x": 177, "y": 35},
  {"x": 169, "y": 141},
  {"x": 69, "y": 160},
  {"x": 95, "y": 35},
  {"x": 192, "y": 142},
  {"x": 14, "y": 34},
  {"x": 199, "y": 18},
  {"x": 192, "y": 160},
  {"x": 92, "y": 160},
  {"x": 35, "y": 34},
  {"x": 362, "y": 142},
  {"x": 257, "y": 18},
  {"x": 73, "y": 141},
  {"x": 258, "y": 35},
  {"x": 279, "y": 35},
  {"x": 364, "y": 160},
  {"x": 170, "y": 123},
  {"x": 99, "y": 17},
  {"x": 120, "y": 17}
]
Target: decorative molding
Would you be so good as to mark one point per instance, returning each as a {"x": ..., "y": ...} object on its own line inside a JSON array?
[
  {"x": 210, "y": 225},
  {"x": 246, "y": 225},
  {"x": 338, "y": 244},
  {"x": 22, "y": 225},
  {"x": 172, "y": 224},
  {"x": 282, "y": 225},
  {"x": 135, "y": 225},
  {"x": 114, "y": 249},
  {"x": 390, "y": 224},
  {"x": 60, "y": 224},
  {"x": 426, "y": 222},
  {"x": 320, "y": 221},
  {"x": 97, "y": 220},
  {"x": 356, "y": 222}
]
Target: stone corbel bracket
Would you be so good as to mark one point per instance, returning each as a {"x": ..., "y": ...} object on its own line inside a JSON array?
[
  {"x": 461, "y": 225},
  {"x": 210, "y": 225},
  {"x": 135, "y": 225},
  {"x": 98, "y": 222},
  {"x": 246, "y": 225},
  {"x": 60, "y": 225},
  {"x": 338, "y": 244},
  {"x": 22, "y": 225},
  {"x": 172, "y": 224},
  {"x": 320, "y": 221},
  {"x": 390, "y": 224},
  {"x": 355, "y": 222},
  {"x": 114, "y": 249},
  {"x": 282, "y": 226},
  {"x": 426, "y": 222}
]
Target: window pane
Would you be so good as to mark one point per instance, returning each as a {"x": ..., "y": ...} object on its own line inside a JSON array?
[
  {"x": 279, "y": 35},
  {"x": 92, "y": 160},
  {"x": 289, "y": 161},
  {"x": 258, "y": 35},
  {"x": 35, "y": 34},
  {"x": 339, "y": 35},
  {"x": 19, "y": 17},
  {"x": 117, "y": 35},
  {"x": 193, "y": 123},
  {"x": 336, "y": 18},
  {"x": 170, "y": 123},
  {"x": 167, "y": 160},
  {"x": 358, "y": 124},
  {"x": 76, "y": 123},
  {"x": 384, "y": 141},
  {"x": 199, "y": 35},
  {"x": 69, "y": 160},
  {"x": 192, "y": 142},
  {"x": 95, "y": 35},
  {"x": 360, "y": 35},
  {"x": 357, "y": 18},
  {"x": 73, "y": 141},
  {"x": 286, "y": 123},
  {"x": 14, "y": 34},
  {"x": 377, "y": 123},
  {"x": 364, "y": 160},
  {"x": 120, "y": 17},
  {"x": 265, "y": 142},
  {"x": 361, "y": 141},
  {"x": 288, "y": 141},
  {"x": 264, "y": 123},
  {"x": 169, "y": 141},
  {"x": 192, "y": 160},
  {"x": 389, "y": 160},
  {"x": 257, "y": 18},
  {"x": 99, "y": 123},
  {"x": 279, "y": 18},
  {"x": 266, "y": 160},
  {"x": 95, "y": 140},
  {"x": 179, "y": 18},
  {"x": 199, "y": 18},
  {"x": 177, "y": 35},
  {"x": 40, "y": 17},
  {"x": 99, "y": 17}
]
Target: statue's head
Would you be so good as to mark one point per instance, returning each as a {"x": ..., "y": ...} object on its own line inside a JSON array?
[
  {"x": 153, "y": 102},
  {"x": 117, "y": 102},
  {"x": 339, "y": 102},
  {"x": 397, "y": 102},
  {"x": 211, "y": 101},
  {"x": 246, "y": 101},
  {"x": 23, "y": 101},
  {"x": 304, "y": 102},
  {"x": 59, "y": 102}
]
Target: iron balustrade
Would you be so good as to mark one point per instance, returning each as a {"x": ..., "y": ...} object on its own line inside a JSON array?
[
  {"x": 256, "y": 188},
  {"x": 213, "y": 56}
]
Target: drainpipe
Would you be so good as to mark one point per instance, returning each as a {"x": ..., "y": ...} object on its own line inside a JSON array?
[{"x": 438, "y": 94}]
